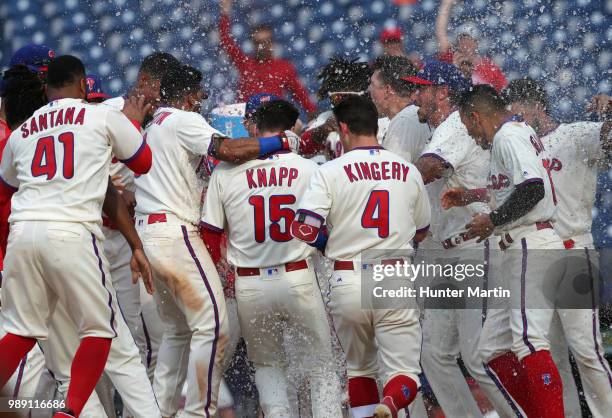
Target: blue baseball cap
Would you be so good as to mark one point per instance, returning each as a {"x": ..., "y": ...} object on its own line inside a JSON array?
[
  {"x": 257, "y": 100},
  {"x": 35, "y": 57},
  {"x": 94, "y": 87},
  {"x": 439, "y": 73}
]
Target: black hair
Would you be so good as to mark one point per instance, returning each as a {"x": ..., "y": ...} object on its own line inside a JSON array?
[
  {"x": 23, "y": 94},
  {"x": 359, "y": 113},
  {"x": 482, "y": 97},
  {"x": 526, "y": 90},
  {"x": 277, "y": 115},
  {"x": 157, "y": 63},
  {"x": 65, "y": 70},
  {"x": 179, "y": 81},
  {"x": 344, "y": 75},
  {"x": 392, "y": 69}
]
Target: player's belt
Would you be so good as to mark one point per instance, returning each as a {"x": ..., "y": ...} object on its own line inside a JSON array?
[
  {"x": 506, "y": 239},
  {"x": 455, "y": 240},
  {"x": 253, "y": 271},
  {"x": 349, "y": 265}
]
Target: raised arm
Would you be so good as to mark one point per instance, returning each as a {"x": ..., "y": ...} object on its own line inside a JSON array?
[
  {"x": 295, "y": 86},
  {"x": 228, "y": 43},
  {"x": 442, "y": 20}
]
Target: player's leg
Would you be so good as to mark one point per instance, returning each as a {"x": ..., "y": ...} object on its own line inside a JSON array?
[
  {"x": 26, "y": 299},
  {"x": 353, "y": 326},
  {"x": 226, "y": 400},
  {"x": 153, "y": 330},
  {"x": 582, "y": 333},
  {"x": 262, "y": 328},
  {"x": 312, "y": 341},
  {"x": 539, "y": 268},
  {"x": 86, "y": 280},
  {"x": 93, "y": 408}
]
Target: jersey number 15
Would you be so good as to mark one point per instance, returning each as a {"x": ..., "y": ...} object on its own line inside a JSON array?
[
  {"x": 276, "y": 214},
  {"x": 44, "y": 161}
]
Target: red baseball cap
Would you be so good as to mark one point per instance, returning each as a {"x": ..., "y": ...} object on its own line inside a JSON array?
[{"x": 391, "y": 35}]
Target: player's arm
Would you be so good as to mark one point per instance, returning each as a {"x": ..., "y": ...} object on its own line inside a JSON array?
[
  {"x": 116, "y": 210},
  {"x": 245, "y": 149},
  {"x": 422, "y": 212},
  {"x": 432, "y": 167},
  {"x": 309, "y": 222},
  {"x": 127, "y": 143},
  {"x": 213, "y": 218},
  {"x": 458, "y": 196}
]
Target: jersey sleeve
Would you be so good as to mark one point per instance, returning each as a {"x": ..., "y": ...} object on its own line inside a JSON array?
[
  {"x": 194, "y": 133},
  {"x": 520, "y": 161},
  {"x": 213, "y": 215},
  {"x": 422, "y": 208},
  {"x": 451, "y": 150},
  {"x": 588, "y": 142},
  {"x": 125, "y": 140},
  {"x": 8, "y": 171},
  {"x": 317, "y": 200}
]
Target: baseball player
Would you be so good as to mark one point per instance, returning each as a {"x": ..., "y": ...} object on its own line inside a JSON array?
[
  {"x": 137, "y": 307},
  {"x": 574, "y": 151},
  {"x": 523, "y": 194},
  {"x": 394, "y": 98},
  {"x": 359, "y": 196},
  {"x": 190, "y": 301},
  {"x": 454, "y": 159},
  {"x": 276, "y": 287},
  {"x": 55, "y": 225}
]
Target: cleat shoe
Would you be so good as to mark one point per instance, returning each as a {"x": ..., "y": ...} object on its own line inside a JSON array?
[{"x": 386, "y": 409}]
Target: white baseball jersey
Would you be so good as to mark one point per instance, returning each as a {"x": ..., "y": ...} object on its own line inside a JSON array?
[
  {"x": 257, "y": 201},
  {"x": 406, "y": 136},
  {"x": 370, "y": 198},
  {"x": 60, "y": 160},
  {"x": 468, "y": 168},
  {"x": 117, "y": 167},
  {"x": 179, "y": 142},
  {"x": 517, "y": 158},
  {"x": 573, "y": 150}
]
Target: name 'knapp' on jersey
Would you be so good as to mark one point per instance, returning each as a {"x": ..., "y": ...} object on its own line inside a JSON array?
[
  {"x": 59, "y": 161},
  {"x": 377, "y": 195},
  {"x": 259, "y": 229}
]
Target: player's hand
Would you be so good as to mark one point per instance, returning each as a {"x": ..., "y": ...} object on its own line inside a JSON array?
[
  {"x": 140, "y": 266},
  {"x": 453, "y": 197},
  {"x": 135, "y": 108},
  {"x": 600, "y": 104},
  {"x": 226, "y": 7},
  {"x": 481, "y": 227},
  {"x": 294, "y": 141}
]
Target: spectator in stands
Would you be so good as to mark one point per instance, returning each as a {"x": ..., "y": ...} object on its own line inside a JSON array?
[
  {"x": 464, "y": 53},
  {"x": 261, "y": 72},
  {"x": 392, "y": 42}
]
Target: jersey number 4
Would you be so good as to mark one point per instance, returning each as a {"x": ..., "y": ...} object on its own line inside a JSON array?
[
  {"x": 276, "y": 214},
  {"x": 44, "y": 161},
  {"x": 376, "y": 213}
]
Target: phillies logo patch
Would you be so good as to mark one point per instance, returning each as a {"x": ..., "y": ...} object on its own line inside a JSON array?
[
  {"x": 90, "y": 83},
  {"x": 306, "y": 230},
  {"x": 547, "y": 379}
]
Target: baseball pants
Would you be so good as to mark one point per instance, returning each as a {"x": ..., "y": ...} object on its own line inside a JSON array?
[
  {"x": 369, "y": 337},
  {"x": 191, "y": 304},
  {"x": 271, "y": 304},
  {"x": 448, "y": 333},
  {"x": 124, "y": 365},
  {"x": 226, "y": 400},
  {"x": 153, "y": 329},
  {"x": 47, "y": 262}
]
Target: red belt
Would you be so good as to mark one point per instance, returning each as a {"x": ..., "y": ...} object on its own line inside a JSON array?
[
  {"x": 507, "y": 238},
  {"x": 569, "y": 244},
  {"x": 252, "y": 271},
  {"x": 349, "y": 265},
  {"x": 155, "y": 218}
]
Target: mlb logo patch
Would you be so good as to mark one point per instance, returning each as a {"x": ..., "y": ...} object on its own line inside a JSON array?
[
  {"x": 547, "y": 379},
  {"x": 272, "y": 271},
  {"x": 374, "y": 152},
  {"x": 273, "y": 157},
  {"x": 406, "y": 391}
]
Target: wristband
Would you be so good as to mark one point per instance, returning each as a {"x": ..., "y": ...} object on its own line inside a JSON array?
[{"x": 269, "y": 144}]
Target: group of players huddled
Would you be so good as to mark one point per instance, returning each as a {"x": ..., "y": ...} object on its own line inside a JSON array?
[{"x": 228, "y": 237}]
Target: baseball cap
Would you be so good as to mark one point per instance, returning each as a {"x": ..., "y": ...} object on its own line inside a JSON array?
[
  {"x": 391, "y": 35},
  {"x": 257, "y": 100},
  {"x": 439, "y": 73},
  {"x": 94, "y": 88},
  {"x": 35, "y": 57}
]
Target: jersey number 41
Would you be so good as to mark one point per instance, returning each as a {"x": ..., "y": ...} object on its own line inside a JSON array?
[{"x": 44, "y": 162}]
